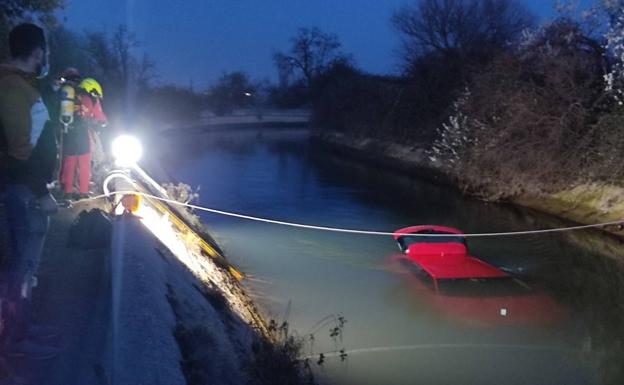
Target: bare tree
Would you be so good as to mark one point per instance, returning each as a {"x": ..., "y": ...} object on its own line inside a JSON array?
[
  {"x": 102, "y": 60},
  {"x": 12, "y": 11},
  {"x": 66, "y": 49},
  {"x": 232, "y": 90},
  {"x": 114, "y": 59},
  {"x": 462, "y": 28},
  {"x": 312, "y": 51},
  {"x": 123, "y": 42},
  {"x": 145, "y": 71}
]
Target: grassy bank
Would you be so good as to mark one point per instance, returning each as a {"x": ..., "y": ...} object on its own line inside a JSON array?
[{"x": 582, "y": 203}]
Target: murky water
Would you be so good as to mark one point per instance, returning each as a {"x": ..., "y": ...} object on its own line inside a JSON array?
[{"x": 563, "y": 326}]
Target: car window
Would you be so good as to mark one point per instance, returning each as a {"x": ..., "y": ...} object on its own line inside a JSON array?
[{"x": 406, "y": 241}]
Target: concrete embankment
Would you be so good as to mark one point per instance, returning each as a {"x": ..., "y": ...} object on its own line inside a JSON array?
[
  {"x": 175, "y": 320},
  {"x": 180, "y": 317},
  {"x": 143, "y": 308},
  {"x": 585, "y": 204}
]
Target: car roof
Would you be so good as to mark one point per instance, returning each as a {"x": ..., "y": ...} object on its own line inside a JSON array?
[{"x": 431, "y": 229}]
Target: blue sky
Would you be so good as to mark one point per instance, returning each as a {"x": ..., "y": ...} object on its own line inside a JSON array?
[{"x": 197, "y": 40}]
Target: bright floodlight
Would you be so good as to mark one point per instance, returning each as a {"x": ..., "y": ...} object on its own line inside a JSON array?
[{"x": 127, "y": 150}]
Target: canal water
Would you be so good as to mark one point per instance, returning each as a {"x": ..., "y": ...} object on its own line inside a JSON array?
[{"x": 559, "y": 323}]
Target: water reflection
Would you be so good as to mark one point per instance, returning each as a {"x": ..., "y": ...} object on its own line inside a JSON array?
[
  {"x": 575, "y": 331},
  {"x": 482, "y": 302}
]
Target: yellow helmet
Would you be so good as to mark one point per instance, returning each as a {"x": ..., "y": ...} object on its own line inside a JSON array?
[{"x": 91, "y": 86}]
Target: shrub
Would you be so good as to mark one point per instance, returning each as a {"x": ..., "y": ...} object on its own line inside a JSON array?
[{"x": 530, "y": 115}]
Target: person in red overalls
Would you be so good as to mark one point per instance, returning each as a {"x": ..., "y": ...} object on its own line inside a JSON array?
[{"x": 77, "y": 143}]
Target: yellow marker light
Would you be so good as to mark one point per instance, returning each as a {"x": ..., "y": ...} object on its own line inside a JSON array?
[{"x": 131, "y": 203}]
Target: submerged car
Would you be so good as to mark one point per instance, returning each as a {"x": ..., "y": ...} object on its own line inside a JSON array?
[
  {"x": 443, "y": 253},
  {"x": 466, "y": 288}
]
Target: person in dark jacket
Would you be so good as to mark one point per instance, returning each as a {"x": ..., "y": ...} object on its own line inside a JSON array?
[{"x": 29, "y": 151}]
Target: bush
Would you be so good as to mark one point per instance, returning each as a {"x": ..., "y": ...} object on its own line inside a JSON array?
[
  {"x": 604, "y": 153},
  {"x": 530, "y": 115},
  {"x": 346, "y": 100}
]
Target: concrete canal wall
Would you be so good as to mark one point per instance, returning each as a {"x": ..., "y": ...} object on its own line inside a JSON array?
[
  {"x": 137, "y": 302},
  {"x": 175, "y": 320}
]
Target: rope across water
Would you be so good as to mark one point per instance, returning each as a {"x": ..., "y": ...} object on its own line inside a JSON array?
[{"x": 351, "y": 231}]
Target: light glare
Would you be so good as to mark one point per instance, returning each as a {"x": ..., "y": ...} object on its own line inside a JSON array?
[{"x": 127, "y": 150}]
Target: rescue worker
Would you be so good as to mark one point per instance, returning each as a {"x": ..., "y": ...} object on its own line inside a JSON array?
[
  {"x": 91, "y": 96},
  {"x": 52, "y": 93},
  {"x": 77, "y": 142},
  {"x": 59, "y": 96},
  {"x": 29, "y": 151}
]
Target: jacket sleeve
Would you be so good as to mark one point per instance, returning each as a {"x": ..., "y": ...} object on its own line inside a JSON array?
[
  {"x": 15, "y": 106},
  {"x": 98, "y": 113},
  {"x": 91, "y": 109}
]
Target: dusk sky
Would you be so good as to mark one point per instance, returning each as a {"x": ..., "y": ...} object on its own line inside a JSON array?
[{"x": 197, "y": 40}]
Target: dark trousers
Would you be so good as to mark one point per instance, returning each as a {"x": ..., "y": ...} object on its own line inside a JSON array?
[{"x": 27, "y": 226}]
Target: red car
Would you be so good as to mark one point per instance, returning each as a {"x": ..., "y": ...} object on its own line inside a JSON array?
[
  {"x": 466, "y": 288},
  {"x": 443, "y": 254}
]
